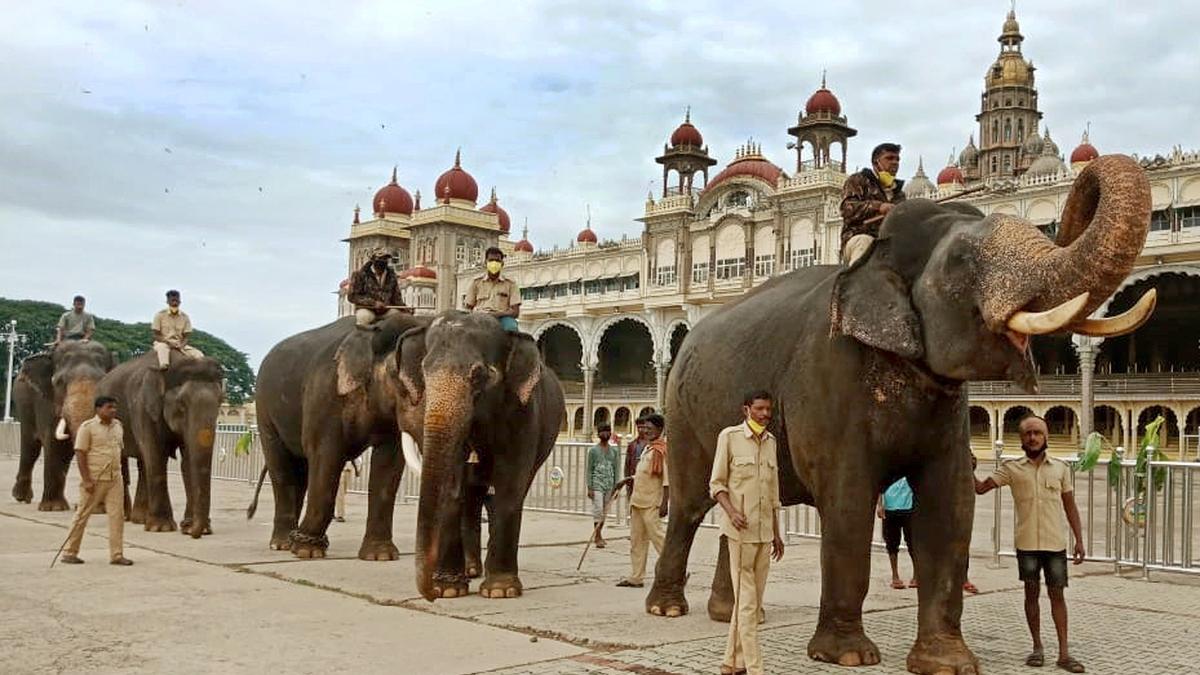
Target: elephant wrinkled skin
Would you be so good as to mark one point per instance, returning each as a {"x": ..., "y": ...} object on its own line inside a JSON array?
[{"x": 868, "y": 365}]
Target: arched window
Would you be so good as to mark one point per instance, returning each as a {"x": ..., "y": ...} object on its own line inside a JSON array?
[
  {"x": 731, "y": 252},
  {"x": 995, "y": 131},
  {"x": 1007, "y": 130},
  {"x": 1020, "y": 130},
  {"x": 664, "y": 271},
  {"x": 994, "y": 164}
]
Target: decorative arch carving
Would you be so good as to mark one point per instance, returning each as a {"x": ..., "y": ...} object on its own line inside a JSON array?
[{"x": 592, "y": 350}]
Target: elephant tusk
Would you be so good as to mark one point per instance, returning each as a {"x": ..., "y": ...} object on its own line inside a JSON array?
[
  {"x": 1049, "y": 321},
  {"x": 1122, "y": 324},
  {"x": 412, "y": 452},
  {"x": 60, "y": 431}
]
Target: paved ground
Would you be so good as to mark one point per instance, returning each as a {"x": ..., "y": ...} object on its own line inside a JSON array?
[{"x": 227, "y": 604}]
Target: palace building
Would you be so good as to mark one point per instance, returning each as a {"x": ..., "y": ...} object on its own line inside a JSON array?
[{"x": 609, "y": 315}]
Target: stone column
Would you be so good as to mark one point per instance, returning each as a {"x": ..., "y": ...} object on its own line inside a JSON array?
[
  {"x": 1087, "y": 368},
  {"x": 660, "y": 384},
  {"x": 589, "y": 373}
]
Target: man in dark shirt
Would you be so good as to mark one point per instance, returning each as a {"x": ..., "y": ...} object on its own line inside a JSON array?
[
  {"x": 374, "y": 291},
  {"x": 868, "y": 196}
]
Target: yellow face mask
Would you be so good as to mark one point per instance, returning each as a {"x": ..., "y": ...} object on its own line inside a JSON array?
[
  {"x": 886, "y": 179},
  {"x": 755, "y": 426},
  {"x": 173, "y": 310},
  {"x": 494, "y": 266}
]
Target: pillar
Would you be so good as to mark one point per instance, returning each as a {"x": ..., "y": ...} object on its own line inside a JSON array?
[
  {"x": 1087, "y": 368},
  {"x": 589, "y": 373},
  {"x": 660, "y": 384}
]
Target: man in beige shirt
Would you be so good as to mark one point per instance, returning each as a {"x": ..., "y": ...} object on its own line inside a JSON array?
[
  {"x": 172, "y": 329},
  {"x": 497, "y": 295},
  {"x": 648, "y": 504},
  {"x": 1042, "y": 494},
  {"x": 745, "y": 482},
  {"x": 98, "y": 445}
]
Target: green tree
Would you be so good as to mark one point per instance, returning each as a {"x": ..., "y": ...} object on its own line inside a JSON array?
[{"x": 37, "y": 321}]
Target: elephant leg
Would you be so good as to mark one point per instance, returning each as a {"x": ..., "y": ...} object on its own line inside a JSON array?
[
  {"x": 720, "y": 600},
  {"x": 689, "y": 504},
  {"x": 289, "y": 475},
  {"x": 159, "y": 515},
  {"x": 504, "y": 534},
  {"x": 325, "y": 470},
  {"x": 56, "y": 463},
  {"x": 847, "y": 506},
  {"x": 942, "y": 539},
  {"x": 387, "y": 466},
  {"x": 472, "y": 527},
  {"x": 141, "y": 496},
  {"x": 31, "y": 449}
]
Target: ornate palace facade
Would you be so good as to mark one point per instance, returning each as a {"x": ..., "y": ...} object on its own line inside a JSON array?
[{"x": 610, "y": 315}]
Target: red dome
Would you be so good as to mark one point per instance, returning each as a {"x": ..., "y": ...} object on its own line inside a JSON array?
[
  {"x": 950, "y": 174},
  {"x": 687, "y": 134},
  {"x": 754, "y": 166},
  {"x": 1084, "y": 152},
  {"x": 524, "y": 246},
  {"x": 392, "y": 198},
  {"x": 456, "y": 184},
  {"x": 494, "y": 207},
  {"x": 418, "y": 272},
  {"x": 586, "y": 236},
  {"x": 823, "y": 101}
]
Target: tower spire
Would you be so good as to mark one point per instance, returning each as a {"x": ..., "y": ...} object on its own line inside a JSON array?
[
  {"x": 458, "y": 158},
  {"x": 687, "y": 115},
  {"x": 823, "y": 79},
  {"x": 394, "y": 175}
]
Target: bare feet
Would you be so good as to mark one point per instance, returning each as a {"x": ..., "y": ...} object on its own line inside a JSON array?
[{"x": 898, "y": 585}]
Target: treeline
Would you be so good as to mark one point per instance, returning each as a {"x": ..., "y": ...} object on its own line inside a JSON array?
[{"x": 37, "y": 321}]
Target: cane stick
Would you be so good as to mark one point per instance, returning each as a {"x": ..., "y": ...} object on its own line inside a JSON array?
[
  {"x": 91, "y": 503},
  {"x": 603, "y": 517},
  {"x": 737, "y": 586}
]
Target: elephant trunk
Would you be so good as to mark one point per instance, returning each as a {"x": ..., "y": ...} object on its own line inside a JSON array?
[
  {"x": 78, "y": 407},
  {"x": 1104, "y": 227},
  {"x": 200, "y": 436},
  {"x": 447, "y": 418}
]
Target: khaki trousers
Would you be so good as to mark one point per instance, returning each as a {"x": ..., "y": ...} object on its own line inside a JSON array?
[
  {"x": 110, "y": 492},
  {"x": 366, "y": 317},
  {"x": 645, "y": 528},
  {"x": 855, "y": 247},
  {"x": 339, "y": 505},
  {"x": 748, "y": 565},
  {"x": 163, "y": 351}
]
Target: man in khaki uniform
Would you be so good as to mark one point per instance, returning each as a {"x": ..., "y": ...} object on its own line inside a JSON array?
[
  {"x": 648, "y": 505},
  {"x": 98, "y": 445},
  {"x": 497, "y": 295},
  {"x": 745, "y": 482},
  {"x": 172, "y": 329},
  {"x": 1042, "y": 494},
  {"x": 75, "y": 324}
]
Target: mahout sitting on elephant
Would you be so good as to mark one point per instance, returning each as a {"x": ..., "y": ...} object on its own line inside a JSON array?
[
  {"x": 54, "y": 393},
  {"x": 164, "y": 411},
  {"x": 869, "y": 364}
]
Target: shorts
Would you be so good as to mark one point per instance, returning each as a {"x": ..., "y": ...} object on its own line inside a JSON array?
[
  {"x": 600, "y": 504},
  {"x": 896, "y": 523},
  {"x": 1053, "y": 564}
]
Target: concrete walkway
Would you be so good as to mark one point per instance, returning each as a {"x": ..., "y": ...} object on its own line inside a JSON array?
[{"x": 227, "y": 604}]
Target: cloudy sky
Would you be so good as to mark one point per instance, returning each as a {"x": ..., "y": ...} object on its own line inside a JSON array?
[{"x": 220, "y": 147}]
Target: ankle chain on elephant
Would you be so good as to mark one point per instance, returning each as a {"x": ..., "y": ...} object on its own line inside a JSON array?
[
  {"x": 298, "y": 537},
  {"x": 449, "y": 578}
]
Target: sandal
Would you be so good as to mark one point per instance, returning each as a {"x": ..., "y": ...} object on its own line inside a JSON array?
[
  {"x": 970, "y": 588},
  {"x": 1035, "y": 659},
  {"x": 1070, "y": 665}
]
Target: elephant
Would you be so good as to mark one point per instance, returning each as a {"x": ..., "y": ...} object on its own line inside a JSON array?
[
  {"x": 54, "y": 393},
  {"x": 164, "y": 411},
  {"x": 491, "y": 414},
  {"x": 868, "y": 365},
  {"x": 322, "y": 397}
]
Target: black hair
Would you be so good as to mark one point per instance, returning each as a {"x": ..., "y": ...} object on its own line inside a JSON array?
[
  {"x": 102, "y": 401},
  {"x": 604, "y": 427},
  {"x": 655, "y": 419},
  {"x": 756, "y": 395},
  {"x": 172, "y": 294},
  {"x": 78, "y": 298},
  {"x": 882, "y": 148},
  {"x": 495, "y": 250},
  {"x": 1031, "y": 416}
]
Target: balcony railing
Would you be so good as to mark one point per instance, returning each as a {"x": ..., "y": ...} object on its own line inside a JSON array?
[{"x": 1176, "y": 385}]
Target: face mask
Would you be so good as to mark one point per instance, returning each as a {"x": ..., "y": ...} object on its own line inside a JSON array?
[
  {"x": 173, "y": 310},
  {"x": 755, "y": 426},
  {"x": 494, "y": 266},
  {"x": 886, "y": 179}
]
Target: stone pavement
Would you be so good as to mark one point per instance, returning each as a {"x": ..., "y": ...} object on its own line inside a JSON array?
[{"x": 227, "y": 604}]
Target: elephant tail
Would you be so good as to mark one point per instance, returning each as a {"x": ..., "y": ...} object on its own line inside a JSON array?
[{"x": 254, "y": 503}]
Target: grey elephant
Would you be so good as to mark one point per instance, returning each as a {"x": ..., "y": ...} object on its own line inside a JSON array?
[
  {"x": 869, "y": 366},
  {"x": 54, "y": 393},
  {"x": 164, "y": 412}
]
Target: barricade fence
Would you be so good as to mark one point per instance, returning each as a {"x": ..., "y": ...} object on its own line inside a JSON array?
[{"x": 1124, "y": 521}]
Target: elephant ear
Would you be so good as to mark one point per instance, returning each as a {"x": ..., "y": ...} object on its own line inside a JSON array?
[
  {"x": 354, "y": 358},
  {"x": 410, "y": 352},
  {"x": 38, "y": 372},
  {"x": 524, "y": 368},
  {"x": 870, "y": 303}
]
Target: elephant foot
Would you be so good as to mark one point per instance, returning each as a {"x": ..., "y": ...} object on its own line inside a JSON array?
[
  {"x": 160, "y": 524},
  {"x": 137, "y": 514},
  {"x": 378, "y": 550},
  {"x": 942, "y": 655},
  {"x": 281, "y": 543},
  {"x": 448, "y": 585},
  {"x": 308, "y": 545},
  {"x": 23, "y": 491},
  {"x": 58, "y": 504},
  {"x": 186, "y": 527},
  {"x": 501, "y": 586},
  {"x": 474, "y": 567},
  {"x": 849, "y": 646},
  {"x": 720, "y": 608},
  {"x": 667, "y": 601}
]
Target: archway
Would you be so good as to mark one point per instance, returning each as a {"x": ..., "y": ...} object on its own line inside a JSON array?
[
  {"x": 1011, "y": 428},
  {"x": 626, "y": 354},
  {"x": 1167, "y": 342},
  {"x": 1063, "y": 425},
  {"x": 981, "y": 431},
  {"x": 562, "y": 350},
  {"x": 1191, "y": 429},
  {"x": 1168, "y": 433},
  {"x": 1107, "y": 420},
  {"x": 566, "y": 424},
  {"x": 646, "y": 411},
  {"x": 621, "y": 421},
  {"x": 578, "y": 425},
  {"x": 678, "y": 333},
  {"x": 1054, "y": 355},
  {"x": 601, "y": 416}
]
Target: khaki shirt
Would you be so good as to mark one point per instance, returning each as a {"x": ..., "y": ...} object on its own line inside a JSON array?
[
  {"x": 73, "y": 324},
  {"x": 172, "y": 327},
  {"x": 648, "y": 489},
  {"x": 1037, "y": 491},
  {"x": 746, "y": 468},
  {"x": 102, "y": 443},
  {"x": 499, "y": 296}
]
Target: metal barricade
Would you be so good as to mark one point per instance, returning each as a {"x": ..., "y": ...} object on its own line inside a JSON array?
[{"x": 10, "y": 438}]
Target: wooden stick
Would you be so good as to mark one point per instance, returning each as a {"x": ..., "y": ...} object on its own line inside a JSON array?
[
  {"x": 940, "y": 200},
  {"x": 737, "y": 587},
  {"x": 604, "y": 516}
]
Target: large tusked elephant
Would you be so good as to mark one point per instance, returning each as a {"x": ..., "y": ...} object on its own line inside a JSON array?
[
  {"x": 54, "y": 393},
  {"x": 869, "y": 365},
  {"x": 165, "y": 411},
  {"x": 486, "y": 395}
]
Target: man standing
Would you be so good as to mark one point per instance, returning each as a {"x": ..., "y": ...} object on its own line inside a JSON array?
[
  {"x": 495, "y": 294},
  {"x": 896, "y": 510},
  {"x": 633, "y": 452},
  {"x": 603, "y": 465},
  {"x": 375, "y": 291},
  {"x": 98, "y": 445},
  {"x": 649, "y": 502},
  {"x": 349, "y": 471},
  {"x": 1042, "y": 493},
  {"x": 172, "y": 329},
  {"x": 869, "y": 195},
  {"x": 75, "y": 324},
  {"x": 745, "y": 482}
]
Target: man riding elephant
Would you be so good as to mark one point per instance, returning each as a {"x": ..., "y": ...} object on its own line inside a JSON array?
[
  {"x": 375, "y": 291},
  {"x": 869, "y": 363}
]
